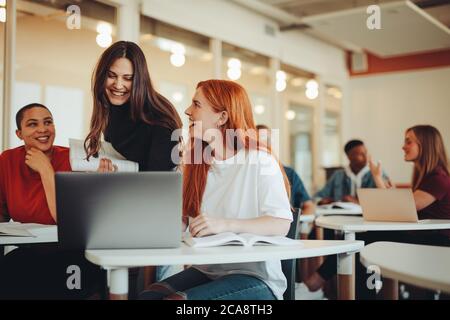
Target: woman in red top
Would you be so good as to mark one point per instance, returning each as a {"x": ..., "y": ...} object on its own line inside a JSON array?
[
  {"x": 27, "y": 194},
  {"x": 27, "y": 183}
]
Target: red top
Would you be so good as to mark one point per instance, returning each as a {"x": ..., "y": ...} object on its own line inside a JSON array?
[
  {"x": 437, "y": 183},
  {"x": 22, "y": 194}
]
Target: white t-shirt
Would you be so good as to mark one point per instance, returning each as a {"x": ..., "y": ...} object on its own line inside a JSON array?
[{"x": 246, "y": 186}]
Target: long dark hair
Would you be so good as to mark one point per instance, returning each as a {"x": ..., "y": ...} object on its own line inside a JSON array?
[
  {"x": 432, "y": 153},
  {"x": 146, "y": 104}
]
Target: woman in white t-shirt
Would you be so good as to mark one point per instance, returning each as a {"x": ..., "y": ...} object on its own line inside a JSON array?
[{"x": 233, "y": 183}]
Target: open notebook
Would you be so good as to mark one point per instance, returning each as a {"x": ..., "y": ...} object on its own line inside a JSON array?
[
  {"x": 9, "y": 229},
  {"x": 242, "y": 239},
  {"x": 348, "y": 206},
  {"x": 78, "y": 160}
]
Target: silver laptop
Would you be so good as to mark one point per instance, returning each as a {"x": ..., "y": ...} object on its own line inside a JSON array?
[
  {"x": 396, "y": 205},
  {"x": 119, "y": 210}
]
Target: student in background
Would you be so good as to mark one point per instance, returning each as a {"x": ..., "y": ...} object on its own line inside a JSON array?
[
  {"x": 27, "y": 195},
  {"x": 424, "y": 146},
  {"x": 343, "y": 183},
  {"x": 235, "y": 185},
  {"x": 299, "y": 196}
]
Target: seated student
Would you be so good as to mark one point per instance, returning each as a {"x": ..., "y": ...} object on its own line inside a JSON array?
[
  {"x": 431, "y": 186},
  {"x": 424, "y": 147},
  {"x": 27, "y": 194},
  {"x": 237, "y": 186},
  {"x": 299, "y": 196},
  {"x": 343, "y": 183}
]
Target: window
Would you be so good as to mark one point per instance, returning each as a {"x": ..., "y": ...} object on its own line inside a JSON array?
[
  {"x": 300, "y": 136},
  {"x": 58, "y": 72},
  {"x": 177, "y": 60}
]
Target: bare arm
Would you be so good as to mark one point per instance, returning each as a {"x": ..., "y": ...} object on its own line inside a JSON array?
[
  {"x": 308, "y": 207},
  {"x": 423, "y": 199},
  {"x": 204, "y": 225},
  {"x": 377, "y": 174},
  {"x": 39, "y": 162}
]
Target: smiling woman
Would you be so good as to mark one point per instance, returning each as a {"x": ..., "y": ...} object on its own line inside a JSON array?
[
  {"x": 136, "y": 119},
  {"x": 32, "y": 167},
  {"x": 27, "y": 195}
]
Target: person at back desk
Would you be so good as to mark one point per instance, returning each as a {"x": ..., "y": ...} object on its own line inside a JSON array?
[
  {"x": 343, "y": 183},
  {"x": 299, "y": 196}
]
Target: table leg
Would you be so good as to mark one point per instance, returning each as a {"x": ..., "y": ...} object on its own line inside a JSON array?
[
  {"x": 389, "y": 290},
  {"x": 346, "y": 273},
  {"x": 118, "y": 281}
]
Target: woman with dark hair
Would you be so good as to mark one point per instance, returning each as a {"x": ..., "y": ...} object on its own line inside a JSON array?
[
  {"x": 132, "y": 116},
  {"x": 27, "y": 195},
  {"x": 137, "y": 120}
]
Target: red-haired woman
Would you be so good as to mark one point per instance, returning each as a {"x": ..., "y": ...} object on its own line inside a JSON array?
[{"x": 231, "y": 183}]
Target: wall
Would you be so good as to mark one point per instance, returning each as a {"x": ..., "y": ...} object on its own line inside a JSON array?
[
  {"x": 231, "y": 23},
  {"x": 383, "y": 106}
]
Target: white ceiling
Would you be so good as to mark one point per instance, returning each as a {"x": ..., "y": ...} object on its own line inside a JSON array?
[{"x": 405, "y": 28}]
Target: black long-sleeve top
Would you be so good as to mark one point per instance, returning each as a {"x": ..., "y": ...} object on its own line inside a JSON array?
[{"x": 149, "y": 145}]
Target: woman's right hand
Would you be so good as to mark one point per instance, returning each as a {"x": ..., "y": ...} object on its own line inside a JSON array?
[
  {"x": 375, "y": 169},
  {"x": 106, "y": 165}
]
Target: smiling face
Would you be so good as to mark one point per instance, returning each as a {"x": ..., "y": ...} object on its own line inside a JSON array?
[
  {"x": 37, "y": 129},
  {"x": 411, "y": 146},
  {"x": 201, "y": 113},
  {"x": 119, "y": 81},
  {"x": 357, "y": 156}
]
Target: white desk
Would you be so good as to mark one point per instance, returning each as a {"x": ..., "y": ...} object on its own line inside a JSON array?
[
  {"x": 351, "y": 225},
  {"x": 118, "y": 261},
  {"x": 43, "y": 234},
  {"x": 343, "y": 212},
  {"x": 419, "y": 265}
]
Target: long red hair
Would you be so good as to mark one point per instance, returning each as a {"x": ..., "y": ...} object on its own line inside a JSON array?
[{"x": 226, "y": 96}]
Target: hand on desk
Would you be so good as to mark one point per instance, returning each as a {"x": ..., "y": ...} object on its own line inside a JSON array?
[
  {"x": 325, "y": 201},
  {"x": 204, "y": 225},
  {"x": 349, "y": 198}
]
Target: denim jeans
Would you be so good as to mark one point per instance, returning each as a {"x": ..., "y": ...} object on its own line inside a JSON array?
[
  {"x": 192, "y": 284},
  {"x": 163, "y": 272}
]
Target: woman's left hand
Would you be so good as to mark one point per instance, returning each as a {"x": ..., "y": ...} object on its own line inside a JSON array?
[
  {"x": 38, "y": 161},
  {"x": 204, "y": 225}
]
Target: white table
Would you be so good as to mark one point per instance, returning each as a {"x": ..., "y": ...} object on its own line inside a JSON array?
[
  {"x": 351, "y": 225},
  {"x": 117, "y": 262},
  {"x": 419, "y": 265},
  {"x": 43, "y": 234},
  {"x": 343, "y": 212}
]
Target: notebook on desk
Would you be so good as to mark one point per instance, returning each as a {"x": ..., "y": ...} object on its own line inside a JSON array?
[
  {"x": 119, "y": 210},
  {"x": 393, "y": 205}
]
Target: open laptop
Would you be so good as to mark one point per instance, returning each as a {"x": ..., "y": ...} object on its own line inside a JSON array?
[
  {"x": 119, "y": 210},
  {"x": 396, "y": 205}
]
